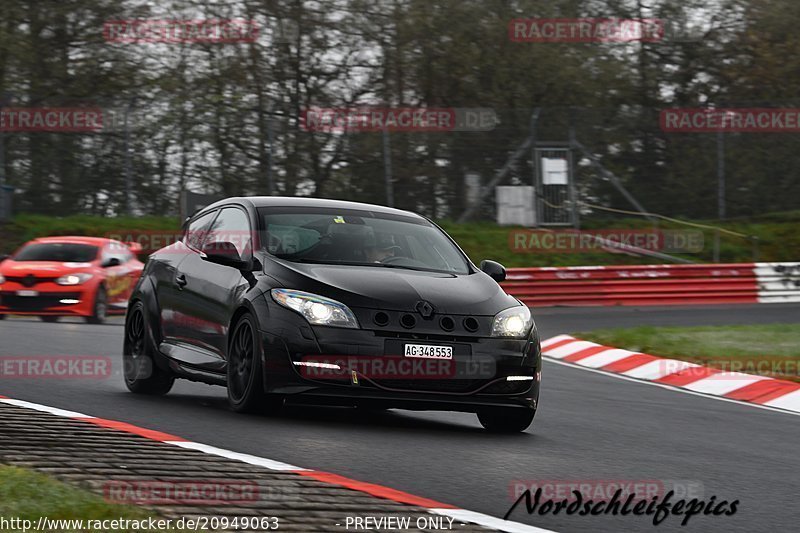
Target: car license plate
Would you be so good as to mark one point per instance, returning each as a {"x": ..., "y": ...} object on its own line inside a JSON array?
[
  {"x": 428, "y": 351},
  {"x": 28, "y": 293}
]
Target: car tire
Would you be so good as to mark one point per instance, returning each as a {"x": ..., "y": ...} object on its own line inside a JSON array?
[
  {"x": 245, "y": 377},
  {"x": 49, "y": 319},
  {"x": 99, "y": 308},
  {"x": 142, "y": 374},
  {"x": 506, "y": 420}
]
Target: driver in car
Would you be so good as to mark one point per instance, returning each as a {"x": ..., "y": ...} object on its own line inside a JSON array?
[{"x": 380, "y": 249}]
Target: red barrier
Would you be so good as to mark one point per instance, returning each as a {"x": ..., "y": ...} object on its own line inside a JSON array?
[{"x": 634, "y": 285}]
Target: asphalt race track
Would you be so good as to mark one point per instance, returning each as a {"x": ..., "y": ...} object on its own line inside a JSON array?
[{"x": 589, "y": 427}]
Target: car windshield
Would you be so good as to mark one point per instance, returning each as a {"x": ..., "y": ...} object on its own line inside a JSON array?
[
  {"x": 355, "y": 237},
  {"x": 61, "y": 252}
]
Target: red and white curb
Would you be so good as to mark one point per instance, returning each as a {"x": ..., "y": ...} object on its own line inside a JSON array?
[
  {"x": 732, "y": 386},
  {"x": 432, "y": 506}
]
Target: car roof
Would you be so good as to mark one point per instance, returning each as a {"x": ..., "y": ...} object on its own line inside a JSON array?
[
  {"x": 290, "y": 201},
  {"x": 71, "y": 239}
]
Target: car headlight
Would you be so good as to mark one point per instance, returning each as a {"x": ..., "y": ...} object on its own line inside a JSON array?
[
  {"x": 512, "y": 322},
  {"x": 318, "y": 310},
  {"x": 74, "y": 279}
]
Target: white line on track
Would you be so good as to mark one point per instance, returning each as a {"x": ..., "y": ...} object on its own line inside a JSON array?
[
  {"x": 236, "y": 456},
  {"x": 45, "y": 408}
]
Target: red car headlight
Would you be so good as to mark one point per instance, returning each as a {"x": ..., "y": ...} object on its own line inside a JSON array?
[{"x": 74, "y": 279}]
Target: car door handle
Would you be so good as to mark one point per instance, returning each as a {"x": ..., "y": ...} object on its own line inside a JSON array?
[{"x": 180, "y": 280}]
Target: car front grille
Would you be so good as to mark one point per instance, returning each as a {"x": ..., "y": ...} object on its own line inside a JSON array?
[
  {"x": 41, "y": 302},
  {"x": 29, "y": 280}
]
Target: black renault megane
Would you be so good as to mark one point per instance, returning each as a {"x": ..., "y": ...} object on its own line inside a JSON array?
[{"x": 331, "y": 303}]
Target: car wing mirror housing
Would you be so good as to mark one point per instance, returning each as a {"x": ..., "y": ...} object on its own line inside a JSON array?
[
  {"x": 495, "y": 270},
  {"x": 223, "y": 253}
]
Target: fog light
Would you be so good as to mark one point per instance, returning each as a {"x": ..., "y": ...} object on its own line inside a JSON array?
[
  {"x": 69, "y": 301},
  {"x": 329, "y": 366},
  {"x": 519, "y": 378}
]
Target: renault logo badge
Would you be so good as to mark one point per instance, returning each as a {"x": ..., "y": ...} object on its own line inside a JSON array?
[{"x": 425, "y": 309}]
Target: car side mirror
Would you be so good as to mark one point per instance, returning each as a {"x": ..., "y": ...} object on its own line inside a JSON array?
[
  {"x": 111, "y": 262},
  {"x": 223, "y": 253},
  {"x": 495, "y": 270}
]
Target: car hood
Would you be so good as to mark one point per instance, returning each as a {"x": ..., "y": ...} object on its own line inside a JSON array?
[{"x": 394, "y": 288}]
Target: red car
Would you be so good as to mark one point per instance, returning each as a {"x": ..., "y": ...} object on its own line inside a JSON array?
[{"x": 50, "y": 277}]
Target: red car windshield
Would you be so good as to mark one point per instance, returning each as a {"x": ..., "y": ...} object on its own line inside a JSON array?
[{"x": 60, "y": 252}]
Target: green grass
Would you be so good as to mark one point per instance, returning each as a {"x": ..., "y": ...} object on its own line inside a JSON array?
[
  {"x": 28, "y": 495},
  {"x": 771, "y": 350},
  {"x": 778, "y": 237}
]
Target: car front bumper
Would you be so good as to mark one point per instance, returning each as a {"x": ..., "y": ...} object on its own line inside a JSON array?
[
  {"x": 47, "y": 299},
  {"x": 374, "y": 371}
]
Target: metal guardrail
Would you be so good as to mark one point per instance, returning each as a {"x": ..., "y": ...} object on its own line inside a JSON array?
[{"x": 735, "y": 283}]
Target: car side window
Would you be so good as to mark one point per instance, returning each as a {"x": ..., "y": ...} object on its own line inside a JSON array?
[
  {"x": 117, "y": 251},
  {"x": 197, "y": 230},
  {"x": 233, "y": 226}
]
